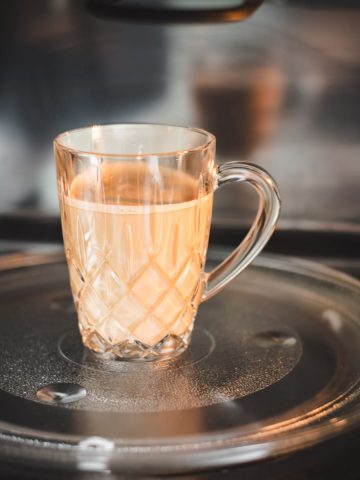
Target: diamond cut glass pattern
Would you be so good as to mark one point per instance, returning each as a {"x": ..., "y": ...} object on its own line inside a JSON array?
[
  {"x": 138, "y": 310},
  {"x": 134, "y": 271},
  {"x": 151, "y": 280}
]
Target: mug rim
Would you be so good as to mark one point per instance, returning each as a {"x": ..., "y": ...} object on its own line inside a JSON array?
[{"x": 210, "y": 139}]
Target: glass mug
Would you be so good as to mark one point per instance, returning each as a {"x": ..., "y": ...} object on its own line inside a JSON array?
[{"x": 136, "y": 204}]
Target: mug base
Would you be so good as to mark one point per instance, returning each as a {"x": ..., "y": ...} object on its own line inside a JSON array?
[{"x": 133, "y": 350}]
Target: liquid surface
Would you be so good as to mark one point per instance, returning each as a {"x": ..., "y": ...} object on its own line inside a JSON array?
[{"x": 136, "y": 246}]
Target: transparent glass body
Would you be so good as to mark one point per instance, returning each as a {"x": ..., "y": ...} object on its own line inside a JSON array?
[{"x": 136, "y": 204}]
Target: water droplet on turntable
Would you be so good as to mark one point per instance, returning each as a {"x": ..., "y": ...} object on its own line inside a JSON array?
[
  {"x": 271, "y": 339},
  {"x": 97, "y": 452},
  {"x": 60, "y": 393},
  {"x": 96, "y": 443}
]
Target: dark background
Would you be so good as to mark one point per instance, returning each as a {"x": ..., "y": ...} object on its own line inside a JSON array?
[{"x": 281, "y": 89}]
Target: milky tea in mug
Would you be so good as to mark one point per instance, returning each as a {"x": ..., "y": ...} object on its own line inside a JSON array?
[
  {"x": 142, "y": 263},
  {"x": 136, "y": 204}
]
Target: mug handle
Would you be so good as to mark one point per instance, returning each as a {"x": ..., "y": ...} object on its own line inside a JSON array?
[{"x": 260, "y": 231}]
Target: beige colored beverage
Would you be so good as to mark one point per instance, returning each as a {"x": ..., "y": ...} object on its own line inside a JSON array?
[{"x": 135, "y": 242}]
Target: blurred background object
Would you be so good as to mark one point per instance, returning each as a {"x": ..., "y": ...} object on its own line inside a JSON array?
[{"x": 280, "y": 89}]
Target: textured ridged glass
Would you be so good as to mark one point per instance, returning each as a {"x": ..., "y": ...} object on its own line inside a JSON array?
[{"x": 136, "y": 203}]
